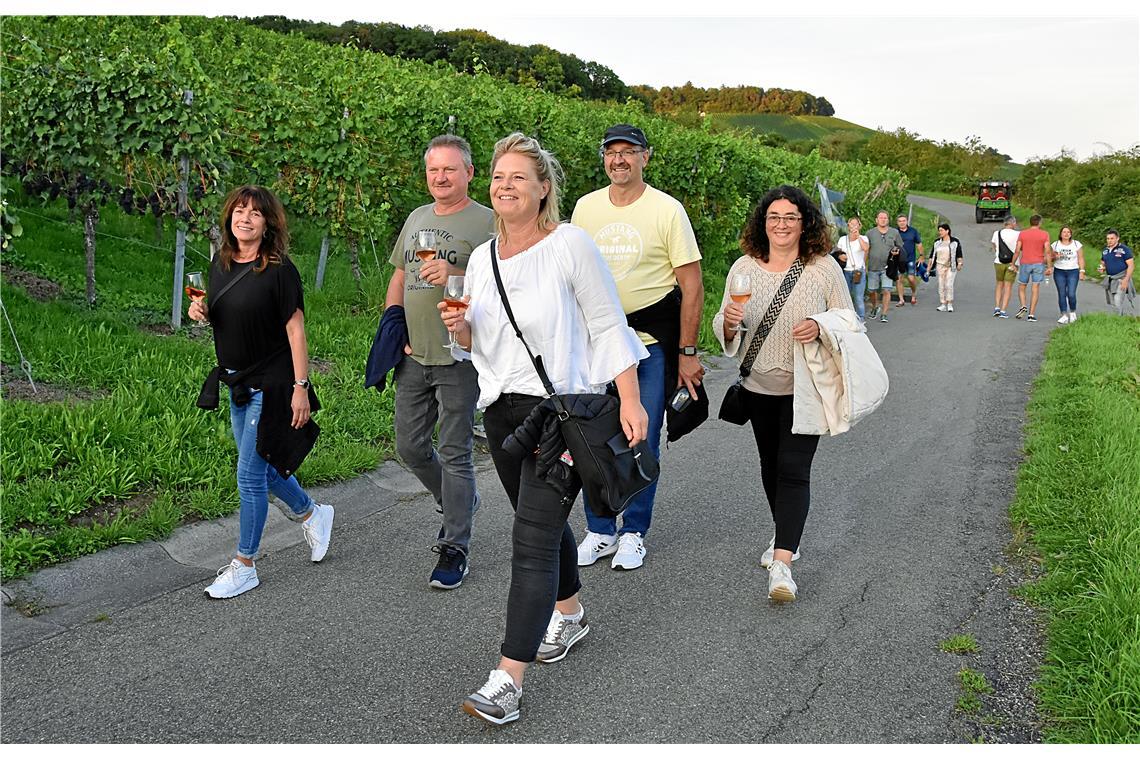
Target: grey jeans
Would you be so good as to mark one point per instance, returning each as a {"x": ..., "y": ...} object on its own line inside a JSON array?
[{"x": 447, "y": 394}]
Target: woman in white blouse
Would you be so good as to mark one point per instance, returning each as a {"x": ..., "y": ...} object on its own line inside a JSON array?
[
  {"x": 855, "y": 270},
  {"x": 566, "y": 305},
  {"x": 784, "y": 226}
]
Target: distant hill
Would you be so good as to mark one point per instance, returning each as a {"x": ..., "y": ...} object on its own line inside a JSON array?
[{"x": 788, "y": 126}]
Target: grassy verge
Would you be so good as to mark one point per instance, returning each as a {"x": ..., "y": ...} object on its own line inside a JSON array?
[
  {"x": 121, "y": 454},
  {"x": 1078, "y": 494}
]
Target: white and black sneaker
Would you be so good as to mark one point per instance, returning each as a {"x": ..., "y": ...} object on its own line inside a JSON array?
[
  {"x": 595, "y": 546},
  {"x": 561, "y": 634},
  {"x": 496, "y": 701}
]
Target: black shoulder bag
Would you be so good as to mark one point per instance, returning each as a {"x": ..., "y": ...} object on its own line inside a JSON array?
[
  {"x": 732, "y": 408},
  {"x": 1005, "y": 253},
  {"x": 612, "y": 473}
]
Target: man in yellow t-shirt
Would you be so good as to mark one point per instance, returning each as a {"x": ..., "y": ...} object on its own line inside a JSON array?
[{"x": 647, "y": 241}]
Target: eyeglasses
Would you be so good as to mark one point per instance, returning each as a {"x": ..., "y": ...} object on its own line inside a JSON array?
[
  {"x": 627, "y": 154},
  {"x": 777, "y": 220}
]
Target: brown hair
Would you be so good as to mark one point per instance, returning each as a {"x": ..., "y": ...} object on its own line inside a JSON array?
[
  {"x": 815, "y": 237},
  {"x": 274, "y": 244}
]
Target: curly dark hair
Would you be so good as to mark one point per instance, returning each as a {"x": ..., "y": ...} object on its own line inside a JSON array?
[
  {"x": 275, "y": 245},
  {"x": 815, "y": 237}
]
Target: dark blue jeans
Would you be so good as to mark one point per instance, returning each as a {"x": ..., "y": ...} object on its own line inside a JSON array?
[
  {"x": 1067, "y": 280},
  {"x": 544, "y": 554},
  {"x": 651, "y": 384}
]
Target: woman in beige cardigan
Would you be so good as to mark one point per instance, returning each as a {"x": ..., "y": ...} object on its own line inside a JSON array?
[{"x": 784, "y": 226}]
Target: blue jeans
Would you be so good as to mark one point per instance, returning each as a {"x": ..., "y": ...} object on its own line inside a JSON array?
[
  {"x": 1067, "y": 280},
  {"x": 651, "y": 381},
  {"x": 256, "y": 478},
  {"x": 447, "y": 394},
  {"x": 858, "y": 290}
]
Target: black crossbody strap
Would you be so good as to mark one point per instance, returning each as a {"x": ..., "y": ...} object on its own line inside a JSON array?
[
  {"x": 770, "y": 316},
  {"x": 230, "y": 284},
  {"x": 536, "y": 360}
]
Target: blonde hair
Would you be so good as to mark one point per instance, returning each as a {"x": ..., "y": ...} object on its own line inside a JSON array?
[{"x": 547, "y": 168}]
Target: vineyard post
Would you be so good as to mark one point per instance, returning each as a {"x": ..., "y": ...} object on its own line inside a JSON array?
[
  {"x": 322, "y": 261},
  {"x": 180, "y": 235}
]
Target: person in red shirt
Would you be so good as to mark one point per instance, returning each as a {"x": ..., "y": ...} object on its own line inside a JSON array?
[{"x": 1029, "y": 258}]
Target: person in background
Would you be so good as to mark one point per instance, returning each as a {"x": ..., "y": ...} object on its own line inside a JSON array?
[
  {"x": 1029, "y": 258},
  {"x": 882, "y": 239},
  {"x": 1117, "y": 263},
  {"x": 1005, "y": 273},
  {"x": 912, "y": 248},
  {"x": 855, "y": 269},
  {"x": 432, "y": 387},
  {"x": 784, "y": 226},
  {"x": 263, "y": 358},
  {"x": 568, "y": 311},
  {"x": 1067, "y": 263},
  {"x": 947, "y": 255}
]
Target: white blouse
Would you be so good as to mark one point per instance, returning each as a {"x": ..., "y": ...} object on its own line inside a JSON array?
[{"x": 566, "y": 303}]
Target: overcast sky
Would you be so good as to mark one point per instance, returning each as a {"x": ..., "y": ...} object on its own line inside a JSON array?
[{"x": 1028, "y": 85}]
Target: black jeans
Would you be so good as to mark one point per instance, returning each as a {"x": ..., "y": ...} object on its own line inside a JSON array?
[
  {"x": 785, "y": 465},
  {"x": 544, "y": 555}
]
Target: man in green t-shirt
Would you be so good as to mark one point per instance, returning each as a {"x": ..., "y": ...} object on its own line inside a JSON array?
[
  {"x": 647, "y": 240},
  {"x": 431, "y": 386}
]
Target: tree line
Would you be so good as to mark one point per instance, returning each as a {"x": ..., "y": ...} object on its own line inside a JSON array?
[{"x": 472, "y": 51}]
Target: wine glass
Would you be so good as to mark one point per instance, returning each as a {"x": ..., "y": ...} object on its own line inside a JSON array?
[
  {"x": 195, "y": 285},
  {"x": 740, "y": 290},
  {"x": 455, "y": 298},
  {"x": 425, "y": 247}
]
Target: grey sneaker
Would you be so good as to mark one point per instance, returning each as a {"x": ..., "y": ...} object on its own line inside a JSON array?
[
  {"x": 884, "y": 318},
  {"x": 561, "y": 634},
  {"x": 496, "y": 701}
]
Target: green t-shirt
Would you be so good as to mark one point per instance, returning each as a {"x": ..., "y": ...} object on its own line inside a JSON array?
[{"x": 458, "y": 234}]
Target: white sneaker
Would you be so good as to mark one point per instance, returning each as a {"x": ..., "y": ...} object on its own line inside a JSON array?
[
  {"x": 1072, "y": 317},
  {"x": 318, "y": 530},
  {"x": 781, "y": 587},
  {"x": 766, "y": 557},
  {"x": 949, "y": 307},
  {"x": 630, "y": 552},
  {"x": 1063, "y": 320},
  {"x": 233, "y": 579},
  {"x": 595, "y": 546},
  {"x": 941, "y": 307}
]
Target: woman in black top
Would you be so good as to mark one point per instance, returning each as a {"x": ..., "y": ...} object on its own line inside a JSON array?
[{"x": 256, "y": 307}]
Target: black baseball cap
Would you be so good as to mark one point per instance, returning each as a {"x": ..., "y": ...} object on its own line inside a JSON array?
[{"x": 625, "y": 133}]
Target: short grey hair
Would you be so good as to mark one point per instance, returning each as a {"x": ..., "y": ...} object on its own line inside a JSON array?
[
  {"x": 1010, "y": 220},
  {"x": 451, "y": 141}
]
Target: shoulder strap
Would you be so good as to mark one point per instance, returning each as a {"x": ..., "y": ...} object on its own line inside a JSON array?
[
  {"x": 536, "y": 360},
  {"x": 230, "y": 284},
  {"x": 771, "y": 316}
]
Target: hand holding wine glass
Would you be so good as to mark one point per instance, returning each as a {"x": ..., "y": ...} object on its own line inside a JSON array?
[
  {"x": 426, "y": 249},
  {"x": 196, "y": 289},
  {"x": 739, "y": 291},
  {"x": 455, "y": 300}
]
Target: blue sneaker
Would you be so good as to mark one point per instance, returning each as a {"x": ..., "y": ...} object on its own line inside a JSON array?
[{"x": 451, "y": 569}]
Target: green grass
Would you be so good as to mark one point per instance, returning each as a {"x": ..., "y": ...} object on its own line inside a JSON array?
[
  {"x": 973, "y": 681},
  {"x": 1078, "y": 496},
  {"x": 790, "y": 126},
  {"x": 136, "y": 458},
  {"x": 962, "y": 643}
]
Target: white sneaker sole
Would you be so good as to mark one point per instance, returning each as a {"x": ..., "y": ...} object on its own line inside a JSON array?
[
  {"x": 239, "y": 590},
  {"x": 445, "y": 587},
  {"x": 628, "y": 564},
  {"x": 782, "y": 594},
  {"x": 471, "y": 709},
  {"x": 566, "y": 651},
  {"x": 611, "y": 549}
]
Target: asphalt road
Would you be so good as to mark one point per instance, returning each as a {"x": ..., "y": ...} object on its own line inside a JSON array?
[{"x": 903, "y": 548}]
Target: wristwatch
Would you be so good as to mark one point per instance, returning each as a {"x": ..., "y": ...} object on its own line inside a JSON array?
[
  {"x": 688, "y": 350},
  {"x": 302, "y": 383}
]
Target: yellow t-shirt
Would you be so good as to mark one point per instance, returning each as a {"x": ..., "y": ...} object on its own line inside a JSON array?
[{"x": 642, "y": 243}]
